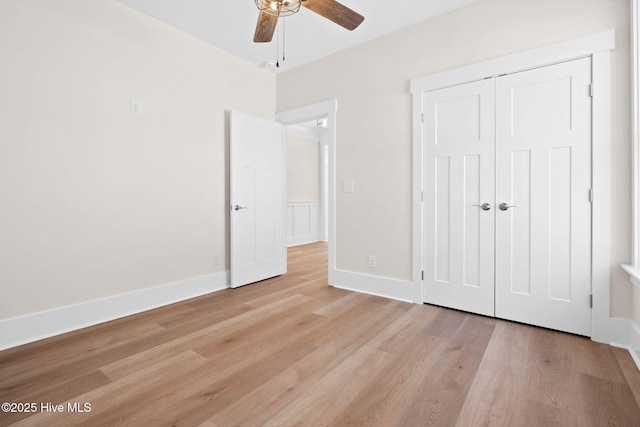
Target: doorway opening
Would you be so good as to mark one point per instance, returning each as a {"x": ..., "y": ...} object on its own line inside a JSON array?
[
  {"x": 325, "y": 113},
  {"x": 306, "y": 193}
]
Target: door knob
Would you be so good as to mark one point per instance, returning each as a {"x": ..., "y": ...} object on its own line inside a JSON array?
[
  {"x": 238, "y": 207},
  {"x": 484, "y": 206},
  {"x": 506, "y": 206}
]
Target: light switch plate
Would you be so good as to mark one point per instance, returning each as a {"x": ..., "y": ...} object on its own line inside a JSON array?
[{"x": 348, "y": 187}]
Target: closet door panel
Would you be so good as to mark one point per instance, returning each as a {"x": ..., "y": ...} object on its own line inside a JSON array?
[
  {"x": 543, "y": 176},
  {"x": 458, "y": 180}
]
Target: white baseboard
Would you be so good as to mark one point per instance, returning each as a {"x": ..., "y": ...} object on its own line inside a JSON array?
[
  {"x": 32, "y": 327},
  {"x": 373, "y": 285},
  {"x": 634, "y": 343},
  {"x": 611, "y": 330}
]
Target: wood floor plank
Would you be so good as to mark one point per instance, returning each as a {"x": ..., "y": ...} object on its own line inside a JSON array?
[
  {"x": 196, "y": 339},
  {"x": 56, "y": 392},
  {"x": 608, "y": 403},
  {"x": 442, "y": 392},
  {"x": 339, "y": 306},
  {"x": 628, "y": 367},
  {"x": 598, "y": 360},
  {"x": 223, "y": 391},
  {"x": 292, "y": 350},
  {"x": 393, "y": 390},
  {"x": 317, "y": 290},
  {"x": 404, "y": 329},
  {"x": 59, "y": 351},
  {"x": 54, "y": 370},
  {"x": 245, "y": 343},
  {"x": 134, "y": 405},
  {"x": 446, "y": 323},
  {"x": 500, "y": 379},
  {"x": 119, "y": 394},
  {"x": 351, "y": 376},
  {"x": 313, "y": 407},
  {"x": 300, "y": 379}
]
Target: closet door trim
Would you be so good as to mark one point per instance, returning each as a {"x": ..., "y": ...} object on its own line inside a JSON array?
[{"x": 597, "y": 46}]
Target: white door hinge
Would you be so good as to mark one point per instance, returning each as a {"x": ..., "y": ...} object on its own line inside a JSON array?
[
  {"x": 591, "y": 90},
  {"x": 591, "y": 301},
  {"x": 422, "y": 117},
  {"x": 591, "y": 195}
]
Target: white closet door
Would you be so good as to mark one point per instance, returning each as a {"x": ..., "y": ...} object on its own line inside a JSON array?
[
  {"x": 458, "y": 177},
  {"x": 543, "y": 169}
]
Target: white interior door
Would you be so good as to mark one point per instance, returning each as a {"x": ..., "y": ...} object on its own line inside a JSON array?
[
  {"x": 258, "y": 246},
  {"x": 458, "y": 197},
  {"x": 521, "y": 143},
  {"x": 543, "y": 166}
]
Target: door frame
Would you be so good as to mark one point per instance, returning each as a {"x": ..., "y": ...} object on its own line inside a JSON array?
[
  {"x": 304, "y": 114},
  {"x": 598, "y": 46}
]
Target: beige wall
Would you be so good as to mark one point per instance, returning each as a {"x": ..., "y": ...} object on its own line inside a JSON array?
[
  {"x": 303, "y": 169},
  {"x": 97, "y": 201},
  {"x": 371, "y": 83}
]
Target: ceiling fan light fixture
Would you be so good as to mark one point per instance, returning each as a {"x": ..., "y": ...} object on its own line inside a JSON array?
[
  {"x": 279, "y": 7},
  {"x": 272, "y": 10}
]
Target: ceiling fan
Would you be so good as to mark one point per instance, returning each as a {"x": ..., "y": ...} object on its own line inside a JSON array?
[{"x": 271, "y": 10}]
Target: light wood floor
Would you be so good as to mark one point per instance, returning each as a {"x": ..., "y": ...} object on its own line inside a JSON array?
[{"x": 294, "y": 351}]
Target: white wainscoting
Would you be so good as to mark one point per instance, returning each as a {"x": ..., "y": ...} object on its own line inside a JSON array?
[{"x": 304, "y": 223}]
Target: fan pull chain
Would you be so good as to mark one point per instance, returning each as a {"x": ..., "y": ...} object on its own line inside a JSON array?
[
  {"x": 278, "y": 43},
  {"x": 284, "y": 40},
  {"x": 277, "y": 47}
]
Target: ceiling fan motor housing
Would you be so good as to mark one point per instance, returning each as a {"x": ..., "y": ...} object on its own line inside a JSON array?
[{"x": 279, "y": 7}]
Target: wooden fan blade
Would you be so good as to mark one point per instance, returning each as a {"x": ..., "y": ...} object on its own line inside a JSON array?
[
  {"x": 265, "y": 28},
  {"x": 336, "y": 12}
]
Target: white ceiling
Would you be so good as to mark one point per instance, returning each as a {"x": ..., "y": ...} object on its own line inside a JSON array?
[{"x": 230, "y": 24}]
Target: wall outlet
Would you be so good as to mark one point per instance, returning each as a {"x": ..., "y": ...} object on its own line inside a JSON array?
[
  {"x": 371, "y": 261},
  {"x": 216, "y": 259}
]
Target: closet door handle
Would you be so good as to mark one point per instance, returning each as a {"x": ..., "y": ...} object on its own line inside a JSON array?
[
  {"x": 484, "y": 206},
  {"x": 506, "y": 206},
  {"x": 238, "y": 207}
]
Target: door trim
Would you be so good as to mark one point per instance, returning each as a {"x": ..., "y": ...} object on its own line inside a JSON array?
[
  {"x": 598, "y": 46},
  {"x": 533, "y": 58}
]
